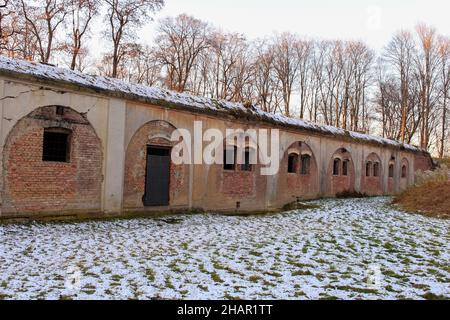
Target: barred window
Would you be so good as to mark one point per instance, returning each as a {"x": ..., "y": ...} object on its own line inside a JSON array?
[
  {"x": 56, "y": 145},
  {"x": 336, "y": 165},
  {"x": 368, "y": 168},
  {"x": 306, "y": 164},
  {"x": 345, "y": 168},
  {"x": 292, "y": 163},
  {"x": 376, "y": 169}
]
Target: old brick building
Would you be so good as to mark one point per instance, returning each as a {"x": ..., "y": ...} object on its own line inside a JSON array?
[{"x": 78, "y": 144}]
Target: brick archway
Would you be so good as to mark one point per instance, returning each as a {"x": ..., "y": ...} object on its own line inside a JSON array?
[
  {"x": 153, "y": 133},
  {"x": 341, "y": 173},
  {"x": 298, "y": 175},
  {"x": 371, "y": 178},
  {"x": 39, "y": 183}
]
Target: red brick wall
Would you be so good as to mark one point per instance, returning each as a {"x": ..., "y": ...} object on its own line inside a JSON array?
[
  {"x": 338, "y": 184},
  {"x": 295, "y": 185},
  {"x": 238, "y": 183},
  {"x": 391, "y": 185},
  {"x": 225, "y": 188},
  {"x": 371, "y": 185},
  {"x": 32, "y": 185},
  {"x": 136, "y": 162}
]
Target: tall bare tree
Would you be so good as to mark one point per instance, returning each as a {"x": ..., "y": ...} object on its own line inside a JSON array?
[
  {"x": 81, "y": 14},
  {"x": 286, "y": 64},
  {"x": 179, "y": 43},
  {"x": 427, "y": 64},
  {"x": 444, "y": 61},
  {"x": 400, "y": 55},
  {"x": 305, "y": 50},
  {"x": 264, "y": 80},
  {"x": 44, "y": 18},
  {"x": 6, "y": 27},
  {"x": 123, "y": 18}
]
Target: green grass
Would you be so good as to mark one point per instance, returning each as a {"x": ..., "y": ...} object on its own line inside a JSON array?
[
  {"x": 216, "y": 278},
  {"x": 302, "y": 273},
  {"x": 432, "y": 296},
  {"x": 255, "y": 279},
  {"x": 150, "y": 274}
]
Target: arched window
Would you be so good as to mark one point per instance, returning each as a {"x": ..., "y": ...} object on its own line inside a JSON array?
[
  {"x": 345, "y": 168},
  {"x": 229, "y": 158},
  {"x": 292, "y": 163},
  {"x": 376, "y": 169},
  {"x": 336, "y": 166},
  {"x": 391, "y": 171},
  {"x": 368, "y": 168},
  {"x": 404, "y": 171},
  {"x": 306, "y": 164}
]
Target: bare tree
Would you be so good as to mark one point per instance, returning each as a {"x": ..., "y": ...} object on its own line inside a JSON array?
[
  {"x": 179, "y": 44},
  {"x": 427, "y": 64},
  {"x": 361, "y": 59},
  {"x": 43, "y": 20},
  {"x": 286, "y": 65},
  {"x": 305, "y": 52},
  {"x": 6, "y": 27},
  {"x": 81, "y": 14},
  {"x": 400, "y": 54},
  {"x": 444, "y": 60},
  {"x": 123, "y": 17}
]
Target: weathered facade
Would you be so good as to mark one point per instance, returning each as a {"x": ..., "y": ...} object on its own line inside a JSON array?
[{"x": 75, "y": 144}]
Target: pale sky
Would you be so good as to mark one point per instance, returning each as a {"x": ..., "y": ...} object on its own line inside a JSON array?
[{"x": 373, "y": 21}]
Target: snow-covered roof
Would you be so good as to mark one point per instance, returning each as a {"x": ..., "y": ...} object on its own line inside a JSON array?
[{"x": 181, "y": 100}]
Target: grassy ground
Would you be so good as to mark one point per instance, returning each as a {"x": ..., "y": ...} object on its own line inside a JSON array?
[{"x": 431, "y": 199}]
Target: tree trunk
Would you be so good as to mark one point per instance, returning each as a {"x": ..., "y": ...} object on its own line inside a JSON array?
[{"x": 444, "y": 120}]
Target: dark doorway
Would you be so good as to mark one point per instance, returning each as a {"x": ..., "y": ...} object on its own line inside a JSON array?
[{"x": 157, "y": 181}]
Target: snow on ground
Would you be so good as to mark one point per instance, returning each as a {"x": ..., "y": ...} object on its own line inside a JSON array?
[{"x": 347, "y": 249}]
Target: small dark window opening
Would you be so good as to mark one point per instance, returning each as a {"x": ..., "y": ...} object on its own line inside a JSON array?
[
  {"x": 56, "y": 146},
  {"x": 345, "y": 168},
  {"x": 376, "y": 169},
  {"x": 229, "y": 159},
  {"x": 247, "y": 166},
  {"x": 404, "y": 172},
  {"x": 60, "y": 110},
  {"x": 292, "y": 163},
  {"x": 368, "y": 168},
  {"x": 306, "y": 164},
  {"x": 336, "y": 165},
  {"x": 391, "y": 171}
]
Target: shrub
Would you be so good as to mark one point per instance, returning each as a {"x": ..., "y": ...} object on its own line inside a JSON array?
[{"x": 441, "y": 174}]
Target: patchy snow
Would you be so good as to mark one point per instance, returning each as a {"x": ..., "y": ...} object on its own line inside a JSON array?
[
  {"x": 347, "y": 249},
  {"x": 47, "y": 72}
]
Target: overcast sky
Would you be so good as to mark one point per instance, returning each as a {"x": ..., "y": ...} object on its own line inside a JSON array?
[{"x": 373, "y": 21}]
